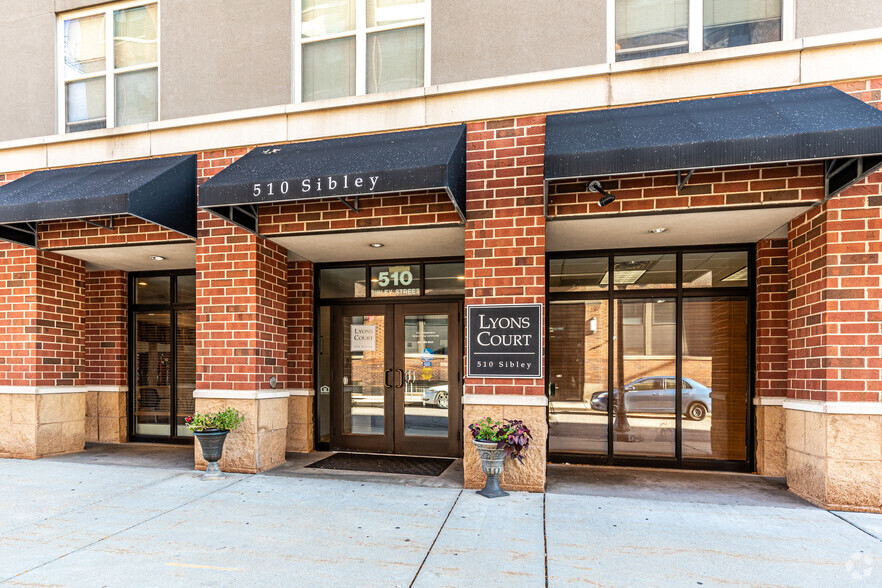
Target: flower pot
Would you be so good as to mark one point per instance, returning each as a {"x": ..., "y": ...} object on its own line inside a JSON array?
[
  {"x": 492, "y": 461},
  {"x": 212, "y": 443}
]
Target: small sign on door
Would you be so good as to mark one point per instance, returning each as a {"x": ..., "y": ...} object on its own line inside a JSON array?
[{"x": 363, "y": 337}]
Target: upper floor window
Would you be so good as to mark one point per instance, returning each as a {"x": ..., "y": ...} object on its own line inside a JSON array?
[
  {"x": 355, "y": 47},
  {"x": 109, "y": 64},
  {"x": 649, "y": 28}
]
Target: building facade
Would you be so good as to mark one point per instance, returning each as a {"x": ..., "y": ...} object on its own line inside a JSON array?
[{"x": 650, "y": 229}]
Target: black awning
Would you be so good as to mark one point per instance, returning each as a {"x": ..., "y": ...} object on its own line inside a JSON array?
[
  {"x": 161, "y": 191},
  {"x": 769, "y": 127},
  {"x": 338, "y": 168}
]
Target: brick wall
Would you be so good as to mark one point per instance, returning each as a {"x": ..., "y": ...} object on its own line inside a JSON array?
[
  {"x": 771, "y": 317},
  {"x": 126, "y": 230},
  {"x": 835, "y": 319},
  {"x": 241, "y": 308},
  {"x": 505, "y": 230},
  {"x": 105, "y": 328},
  {"x": 300, "y": 324},
  {"x": 41, "y": 318},
  {"x": 749, "y": 185}
]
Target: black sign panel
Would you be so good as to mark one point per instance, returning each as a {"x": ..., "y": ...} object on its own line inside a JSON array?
[{"x": 504, "y": 341}]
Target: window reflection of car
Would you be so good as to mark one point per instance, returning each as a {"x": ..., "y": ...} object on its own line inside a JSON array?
[
  {"x": 658, "y": 395},
  {"x": 436, "y": 395}
]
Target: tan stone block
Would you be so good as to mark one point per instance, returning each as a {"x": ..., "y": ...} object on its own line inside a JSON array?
[
  {"x": 91, "y": 429},
  {"x": 795, "y": 429},
  {"x": 92, "y": 403},
  {"x": 240, "y": 453},
  {"x": 816, "y": 434},
  {"x": 50, "y": 408},
  {"x": 108, "y": 404},
  {"x": 299, "y": 438},
  {"x": 775, "y": 458},
  {"x": 23, "y": 409},
  {"x": 73, "y": 436},
  {"x": 854, "y": 483},
  {"x": 49, "y": 438},
  {"x": 806, "y": 476},
  {"x": 300, "y": 410},
  {"x": 5, "y": 408},
  {"x": 854, "y": 436},
  {"x": 530, "y": 475},
  {"x": 123, "y": 430},
  {"x": 760, "y": 425},
  {"x": 773, "y": 418},
  {"x": 271, "y": 449},
  {"x": 272, "y": 414},
  {"x": 73, "y": 406},
  {"x": 108, "y": 429},
  {"x": 18, "y": 440}
]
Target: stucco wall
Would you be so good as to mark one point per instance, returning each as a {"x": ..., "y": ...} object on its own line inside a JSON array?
[
  {"x": 820, "y": 17},
  {"x": 474, "y": 40}
]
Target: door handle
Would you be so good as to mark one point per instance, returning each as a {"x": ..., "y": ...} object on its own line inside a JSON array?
[
  {"x": 386, "y": 378},
  {"x": 400, "y": 373}
]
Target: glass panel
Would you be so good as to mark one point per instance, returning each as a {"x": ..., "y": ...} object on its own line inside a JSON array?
[
  {"x": 578, "y": 343},
  {"x": 648, "y": 28},
  {"x": 329, "y": 69},
  {"x": 725, "y": 269},
  {"x": 730, "y": 23},
  {"x": 137, "y": 97},
  {"x": 134, "y": 36},
  {"x": 639, "y": 272},
  {"x": 386, "y": 12},
  {"x": 425, "y": 368},
  {"x": 395, "y": 280},
  {"x": 364, "y": 369},
  {"x": 324, "y": 374},
  {"x": 715, "y": 378},
  {"x": 327, "y": 17},
  {"x": 84, "y": 46},
  {"x": 86, "y": 105},
  {"x": 578, "y": 275},
  {"x": 644, "y": 423},
  {"x": 153, "y": 290},
  {"x": 445, "y": 278},
  {"x": 395, "y": 59},
  {"x": 342, "y": 282},
  {"x": 186, "y": 290},
  {"x": 153, "y": 357},
  {"x": 185, "y": 368}
]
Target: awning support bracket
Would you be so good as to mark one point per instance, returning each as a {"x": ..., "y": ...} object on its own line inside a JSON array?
[
  {"x": 353, "y": 208},
  {"x": 107, "y": 227},
  {"x": 842, "y": 173},
  {"x": 25, "y": 233},
  {"x": 682, "y": 180}
]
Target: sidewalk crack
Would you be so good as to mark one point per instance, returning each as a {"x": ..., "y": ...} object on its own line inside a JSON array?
[{"x": 438, "y": 534}]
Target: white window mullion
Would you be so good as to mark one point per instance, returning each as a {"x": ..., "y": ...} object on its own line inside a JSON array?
[
  {"x": 109, "y": 104},
  {"x": 611, "y": 31},
  {"x": 788, "y": 20},
  {"x": 60, "y": 72},
  {"x": 361, "y": 48},
  {"x": 297, "y": 64},
  {"x": 427, "y": 43},
  {"x": 696, "y": 26}
]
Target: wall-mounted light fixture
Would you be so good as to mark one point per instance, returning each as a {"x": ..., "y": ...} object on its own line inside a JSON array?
[
  {"x": 592, "y": 325},
  {"x": 605, "y": 198}
]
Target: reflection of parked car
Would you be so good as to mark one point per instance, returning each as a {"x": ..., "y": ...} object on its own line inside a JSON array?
[
  {"x": 436, "y": 395},
  {"x": 658, "y": 394}
]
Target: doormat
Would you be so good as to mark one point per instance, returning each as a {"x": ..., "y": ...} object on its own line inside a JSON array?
[{"x": 386, "y": 464}]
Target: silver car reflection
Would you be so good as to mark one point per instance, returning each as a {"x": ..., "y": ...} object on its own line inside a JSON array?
[
  {"x": 436, "y": 395},
  {"x": 657, "y": 394}
]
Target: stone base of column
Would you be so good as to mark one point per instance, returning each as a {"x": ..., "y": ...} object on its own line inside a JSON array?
[
  {"x": 259, "y": 442},
  {"x": 526, "y": 477},
  {"x": 300, "y": 420},
  {"x": 771, "y": 451},
  {"x": 106, "y": 414},
  {"x": 834, "y": 453},
  {"x": 41, "y": 421}
]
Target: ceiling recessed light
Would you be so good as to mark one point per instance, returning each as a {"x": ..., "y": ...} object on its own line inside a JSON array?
[
  {"x": 657, "y": 230},
  {"x": 142, "y": 283},
  {"x": 376, "y": 245},
  {"x": 156, "y": 257}
]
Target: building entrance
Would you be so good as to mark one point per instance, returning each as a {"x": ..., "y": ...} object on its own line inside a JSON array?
[{"x": 396, "y": 378}]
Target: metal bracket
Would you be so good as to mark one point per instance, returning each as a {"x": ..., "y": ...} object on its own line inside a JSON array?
[
  {"x": 681, "y": 180},
  {"x": 108, "y": 226},
  {"x": 351, "y": 207},
  {"x": 24, "y": 233},
  {"x": 243, "y": 216},
  {"x": 842, "y": 173}
]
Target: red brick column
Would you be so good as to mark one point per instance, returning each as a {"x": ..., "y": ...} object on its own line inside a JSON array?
[
  {"x": 771, "y": 355},
  {"x": 833, "y": 412},
  {"x": 242, "y": 340},
  {"x": 42, "y": 398},
  {"x": 505, "y": 264},
  {"x": 300, "y": 356},
  {"x": 106, "y": 356}
]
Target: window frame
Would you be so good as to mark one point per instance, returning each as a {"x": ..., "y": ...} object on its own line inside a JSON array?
[
  {"x": 696, "y": 33},
  {"x": 360, "y": 33},
  {"x": 110, "y": 71}
]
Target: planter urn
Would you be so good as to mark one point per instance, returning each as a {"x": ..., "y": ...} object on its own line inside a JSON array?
[
  {"x": 212, "y": 443},
  {"x": 492, "y": 461}
]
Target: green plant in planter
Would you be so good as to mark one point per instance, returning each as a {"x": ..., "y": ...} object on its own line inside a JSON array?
[
  {"x": 513, "y": 436},
  {"x": 225, "y": 420}
]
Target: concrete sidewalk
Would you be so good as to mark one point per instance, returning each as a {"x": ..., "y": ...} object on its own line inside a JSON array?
[{"x": 75, "y": 521}]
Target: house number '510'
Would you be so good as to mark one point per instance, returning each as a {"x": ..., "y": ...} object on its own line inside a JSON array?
[
  {"x": 404, "y": 278},
  {"x": 283, "y": 188}
]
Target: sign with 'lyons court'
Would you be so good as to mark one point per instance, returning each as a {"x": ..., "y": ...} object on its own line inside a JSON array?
[{"x": 504, "y": 341}]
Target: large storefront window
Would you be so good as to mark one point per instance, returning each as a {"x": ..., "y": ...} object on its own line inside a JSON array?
[{"x": 671, "y": 340}]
